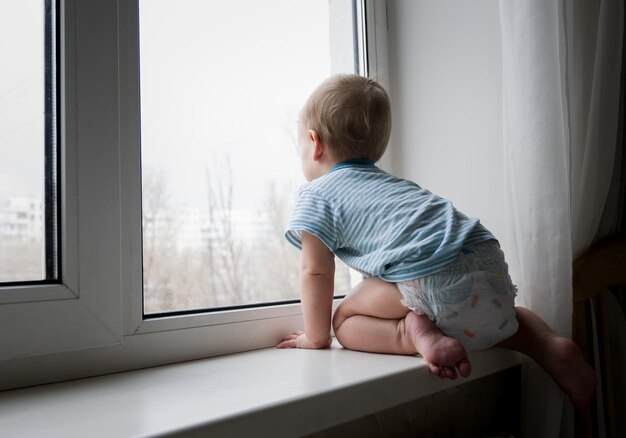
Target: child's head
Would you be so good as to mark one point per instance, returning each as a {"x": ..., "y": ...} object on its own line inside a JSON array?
[{"x": 352, "y": 116}]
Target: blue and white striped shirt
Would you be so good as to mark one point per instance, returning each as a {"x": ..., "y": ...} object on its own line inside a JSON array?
[{"x": 381, "y": 225}]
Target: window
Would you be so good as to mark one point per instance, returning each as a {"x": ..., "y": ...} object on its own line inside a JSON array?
[
  {"x": 220, "y": 95},
  {"x": 28, "y": 143},
  {"x": 90, "y": 320}
]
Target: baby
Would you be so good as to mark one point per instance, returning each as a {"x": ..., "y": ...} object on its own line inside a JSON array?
[{"x": 436, "y": 280}]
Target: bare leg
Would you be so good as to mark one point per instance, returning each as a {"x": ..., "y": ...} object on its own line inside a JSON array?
[
  {"x": 372, "y": 318},
  {"x": 559, "y": 357}
]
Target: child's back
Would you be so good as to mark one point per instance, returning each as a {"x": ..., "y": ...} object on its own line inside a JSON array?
[{"x": 382, "y": 225}]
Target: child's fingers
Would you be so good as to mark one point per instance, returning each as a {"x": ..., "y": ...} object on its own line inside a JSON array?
[
  {"x": 291, "y": 343},
  {"x": 294, "y": 335},
  {"x": 290, "y": 340}
]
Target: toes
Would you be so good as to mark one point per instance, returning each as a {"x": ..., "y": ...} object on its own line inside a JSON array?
[
  {"x": 464, "y": 367},
  {"x": 434, "y": 369},
  {"x": 450, "y": 373},
  {"x": 442, "y": 372}
]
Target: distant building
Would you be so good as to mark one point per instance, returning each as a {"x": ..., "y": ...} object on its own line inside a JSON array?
[
  {"x": 21, "y": 219},
  {"x": 185, "y": 227}
]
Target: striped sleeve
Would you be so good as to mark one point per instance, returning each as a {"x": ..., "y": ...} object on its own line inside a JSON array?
[{"x": 315, "y": 215}]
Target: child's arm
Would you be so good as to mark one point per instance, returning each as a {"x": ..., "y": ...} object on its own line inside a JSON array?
[{"x": 317, "y": 277}]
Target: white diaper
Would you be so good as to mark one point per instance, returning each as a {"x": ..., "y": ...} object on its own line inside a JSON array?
[{"x": 472, "y": 300}]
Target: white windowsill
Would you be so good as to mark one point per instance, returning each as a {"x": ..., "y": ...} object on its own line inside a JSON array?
[{"x": 278, "y": 393}]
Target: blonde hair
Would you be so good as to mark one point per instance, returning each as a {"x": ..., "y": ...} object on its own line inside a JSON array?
[{"x": 352, "y": 116}]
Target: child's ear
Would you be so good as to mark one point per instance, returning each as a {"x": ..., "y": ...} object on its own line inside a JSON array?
[
  {"x": 312, "y": 136},
  {"x": 318, "y": 146}
]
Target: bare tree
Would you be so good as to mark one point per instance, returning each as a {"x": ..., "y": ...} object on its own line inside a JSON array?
[
  {"x": 282, "y": 262},
  {"x": 154, "y": 202},
  {"x": 225, "y": 255},
  {"x": 157, "y": 239},
  {"x": 170, "y": 271}
]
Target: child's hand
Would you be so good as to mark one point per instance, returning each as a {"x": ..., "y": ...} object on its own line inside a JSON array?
[{"x": 298, "y": 339}]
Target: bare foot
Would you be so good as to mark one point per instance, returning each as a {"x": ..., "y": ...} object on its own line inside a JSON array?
[
  {"x": 567, "y": 366},
  {"x": 444, "y": 355}
]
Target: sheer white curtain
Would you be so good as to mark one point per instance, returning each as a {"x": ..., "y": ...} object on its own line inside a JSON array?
[
  {"x": 594, "y": 69},
  {"x": 561, "y": 70}
]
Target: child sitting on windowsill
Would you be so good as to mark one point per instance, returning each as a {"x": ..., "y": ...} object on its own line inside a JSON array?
[{"x": 436, "y": 280}]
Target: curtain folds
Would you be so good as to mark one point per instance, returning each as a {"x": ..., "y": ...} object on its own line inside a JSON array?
[
  {"x": 561, "y": 66},
  {"x": 594, "y": 79}
]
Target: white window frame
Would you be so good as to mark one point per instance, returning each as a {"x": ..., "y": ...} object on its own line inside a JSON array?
[{"x": 92, "y": 323}]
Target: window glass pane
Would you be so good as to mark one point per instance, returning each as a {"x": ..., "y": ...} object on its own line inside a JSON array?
[
  {"x": 221, "y": 87},
  {"x": 23, "y": 140}
]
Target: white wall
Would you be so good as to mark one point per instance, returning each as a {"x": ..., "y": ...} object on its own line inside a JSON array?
[{"x": 445, "y": 86}]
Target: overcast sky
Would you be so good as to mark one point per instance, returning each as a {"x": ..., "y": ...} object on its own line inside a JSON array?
[
  {"x": 217, "y": 78},
  {"x": 228, "y": 79},
  {"x": 21, "y": 98}
]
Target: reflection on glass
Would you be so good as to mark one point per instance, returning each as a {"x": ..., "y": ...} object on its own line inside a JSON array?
[{"x": 221, "y": 87}]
